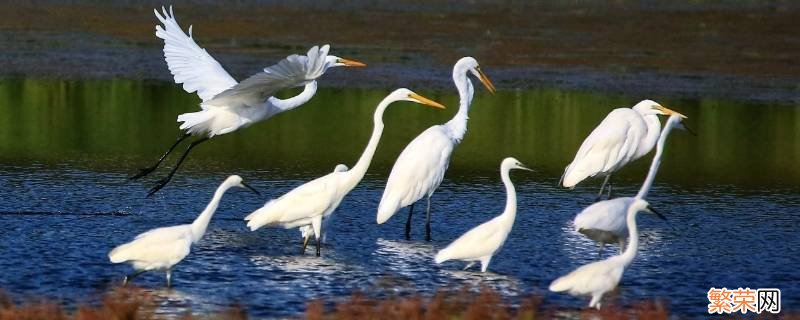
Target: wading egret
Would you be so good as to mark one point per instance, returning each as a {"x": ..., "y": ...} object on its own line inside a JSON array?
[
  {"x": 226, "y": 105},
  {"x": 306, "y": 231},
  {"x": 625, "y": 135},
  {"x": 604, "y": 221},
  {"x": 481, "y": 243},
  {"x": 309, "y": 203},
  {"x": 420, "y": 168},
  {"x": 599, "y": 277},
  {"x": 162, "y": 248}
]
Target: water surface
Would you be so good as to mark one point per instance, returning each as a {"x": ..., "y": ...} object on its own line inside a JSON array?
[{"x": 66, "y": 148}]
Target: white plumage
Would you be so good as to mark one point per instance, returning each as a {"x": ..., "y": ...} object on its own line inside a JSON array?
[
  {"x": 625, "y": 135},
  {"x": 482, "y": 242},
  {"x": 604, "y": 221},
  {"x": 421, "y": 166},
  {"x": 309, "y": 203},
  {"x": 228, "y": 105},
  {"x": 162, "y": 248},
  {"x": 598, "y": 278}
]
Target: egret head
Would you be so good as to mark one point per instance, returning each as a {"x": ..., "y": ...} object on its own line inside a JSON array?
[
  {"x": 648, "y": 107},
  {"x": 236, "y": 181},
  {"x": 642, "y": 205},
  {"x": 334, "y": 61},
  {"x": 469, "y": 64},
  {"x": 404, "y": 94},
  {"x": 511, "y": 163}
]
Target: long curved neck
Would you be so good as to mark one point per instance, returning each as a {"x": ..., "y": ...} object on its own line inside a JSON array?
[
  {"x": 200, "y": 224},
  {"x": 633, "y": 237},
  {"x": 651, "y": 175},
  {"x": 511, "y": 196},
  {"x": 653, "y": 131},
  {"x": 458, "y": 125},
  {"x": 296, "y": 101},
  {"x": 355, "y": 174}
]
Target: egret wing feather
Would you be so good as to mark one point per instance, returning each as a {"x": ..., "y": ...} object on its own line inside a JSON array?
[
  {"x": 190, "y": 64},
  {"x": 418, "y": 171},
  {"x": 478, "y": 242},
  {"x": 305, "y": 201},
  {"x": 596, "y": 277},
  {"x": 611, "y": 145},
  {"x": 295, "y": 70},
  {"x": 608, "y": 215}
]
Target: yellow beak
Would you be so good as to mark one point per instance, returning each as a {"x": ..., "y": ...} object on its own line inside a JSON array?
[
  {"x": 670, "y": 112},
  {"x": 486, "y": 82},
  {"x": 352, "y": 63},
  {"x": 425, "y": 101}
]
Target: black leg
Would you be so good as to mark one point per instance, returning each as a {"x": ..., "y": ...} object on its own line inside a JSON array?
[
  {"x": 145, "y": 171},
  {"x": 428, "y": 222},
  {"x": 129, "y": 278},
  {"x": 305, "y": 244},
  {"x": 408, "y": 222},
  {"x": 603, "y": 186},
  {"x": 319, "y": 245},
  {"x": 163, "y": 182}
]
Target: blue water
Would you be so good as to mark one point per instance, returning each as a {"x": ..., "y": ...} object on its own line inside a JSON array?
[
  {"x": 59, "y": 222},
  {"x": 732, "y": 196}
]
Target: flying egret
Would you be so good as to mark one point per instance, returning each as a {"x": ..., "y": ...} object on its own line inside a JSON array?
[
  {"x": 309, "y": 203},
  {"x": 481, "y": 243},
  {"x": 604, "y": 221},
  {"x": 162, "y": 248},
  {"x": 420, "y": 168},
  {"x": 625, "y": 135},
  {"x": 599, "y": 277},
  {"x": 226, "y": 105}
]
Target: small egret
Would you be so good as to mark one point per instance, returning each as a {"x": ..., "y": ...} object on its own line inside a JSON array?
[
  {"x": 625, "y": 135},
  {"x": 309, "y": 203},
  {"x": 162, "y": 248},
  {"x": 481, "y": 243},
  {"x": 420, "y": 168},
  {"x": 599, "y": 277},
  {"x": 228, "y": 105},
  {"x": 604, "y": 221}
]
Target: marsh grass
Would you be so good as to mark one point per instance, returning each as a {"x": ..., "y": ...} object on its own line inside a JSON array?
[{"x": 462, "y": 304}]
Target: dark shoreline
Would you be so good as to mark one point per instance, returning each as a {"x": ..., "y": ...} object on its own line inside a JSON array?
[{"x": 741, "y": 51}]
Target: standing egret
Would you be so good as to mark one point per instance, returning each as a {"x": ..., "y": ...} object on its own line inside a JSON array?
[
  {"x": 481, "y": 243},
  {"x": 625, "y": 135},
  {"x": 228, "y": 106},
  {"x": 309, "y": 203},
  {"x": 306, "y": 231},
  {"x": 420, "y": 168},
  {"x": 599, "y": 277},
  {"x": 604, "y": 221},
  {"x": 162, "y": 248}
]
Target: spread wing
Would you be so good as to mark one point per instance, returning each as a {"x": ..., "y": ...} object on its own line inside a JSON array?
[
  {"x": 295, "y": 70},
  {"x": 191, "y": 65}
]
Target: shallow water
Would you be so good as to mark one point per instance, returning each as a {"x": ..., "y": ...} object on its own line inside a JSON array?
[{"x": 66, "y": 148}]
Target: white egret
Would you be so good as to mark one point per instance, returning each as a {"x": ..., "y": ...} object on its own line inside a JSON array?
[
  {"x": 599, "y": 277},
  {"x": 306, "y": 231},
  {"x": 604, "y": 221},
  {"x": 420, "y": 168},
  {"x": 625, "y": 135},
  {"x": 309, "y": 203},
  {"x": 481, "y": 243},
  {"x": 162, "y": 248},
  {"x": 226, "y": 105}
]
